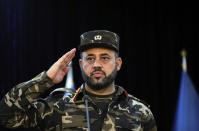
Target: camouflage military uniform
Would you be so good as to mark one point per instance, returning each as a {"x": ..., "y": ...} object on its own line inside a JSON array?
[{"x": 23, "y": 107}]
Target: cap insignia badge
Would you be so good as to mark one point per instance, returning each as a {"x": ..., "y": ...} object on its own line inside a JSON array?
[{"x": 98, "y": 37}]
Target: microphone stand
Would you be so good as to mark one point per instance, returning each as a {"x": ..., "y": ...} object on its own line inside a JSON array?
[{"x": 87, "y": 112}]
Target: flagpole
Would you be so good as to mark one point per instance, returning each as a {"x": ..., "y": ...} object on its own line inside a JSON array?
[{"x": 184, "y": 61}]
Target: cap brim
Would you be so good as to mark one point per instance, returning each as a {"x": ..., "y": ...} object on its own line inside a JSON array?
[{"x": 97, "y": 45}]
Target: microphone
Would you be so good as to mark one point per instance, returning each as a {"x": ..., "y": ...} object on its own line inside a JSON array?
[{"x": 87, "y": 112}]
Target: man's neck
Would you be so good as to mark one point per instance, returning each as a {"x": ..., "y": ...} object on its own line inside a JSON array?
[{"x": 107, "y": 91}]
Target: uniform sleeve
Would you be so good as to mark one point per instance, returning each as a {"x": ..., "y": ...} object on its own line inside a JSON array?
[
  {"x": 21, "y": 106},
  {"x": 148, "y": 120}
]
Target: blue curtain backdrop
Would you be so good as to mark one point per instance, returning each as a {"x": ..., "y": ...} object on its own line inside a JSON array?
[
  {"x": 11, "y": 36},
  {"x": 34, "y": 34},
  {"x": 21, "y": 41}
]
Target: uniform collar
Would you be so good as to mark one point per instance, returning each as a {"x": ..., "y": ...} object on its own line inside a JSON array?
[{"x": 121, "y": 93}]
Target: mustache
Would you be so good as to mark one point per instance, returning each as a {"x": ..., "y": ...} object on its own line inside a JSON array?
[{"x": 98, "y": 69}]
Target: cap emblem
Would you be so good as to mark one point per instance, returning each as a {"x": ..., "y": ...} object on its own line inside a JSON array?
[{"x": 98, "y": 37}]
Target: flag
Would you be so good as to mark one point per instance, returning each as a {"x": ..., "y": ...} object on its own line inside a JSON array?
[
  {"x": 69, "y": 85},
  {"x": 187, "y": 113}
]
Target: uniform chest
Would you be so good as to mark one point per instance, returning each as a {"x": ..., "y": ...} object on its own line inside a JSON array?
[{"x": 74, "y": 117}]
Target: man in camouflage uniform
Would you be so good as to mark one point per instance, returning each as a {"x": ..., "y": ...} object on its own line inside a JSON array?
[{"x": 109, "y": 106}]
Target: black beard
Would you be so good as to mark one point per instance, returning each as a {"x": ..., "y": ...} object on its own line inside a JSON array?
[{"x": 107, "y": 81}]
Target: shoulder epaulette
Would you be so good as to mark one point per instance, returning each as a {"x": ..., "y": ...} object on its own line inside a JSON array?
[{"x": 136, "y": 99}]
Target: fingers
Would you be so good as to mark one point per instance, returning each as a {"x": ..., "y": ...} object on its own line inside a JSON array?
[{"x": 66, "y": 59}]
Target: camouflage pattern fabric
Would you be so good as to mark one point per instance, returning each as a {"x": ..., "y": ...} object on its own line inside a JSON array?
[{"x": 23, "y": 107}]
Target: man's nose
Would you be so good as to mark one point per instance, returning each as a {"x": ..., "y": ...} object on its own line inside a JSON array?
[{"x": 97, "y": 63}]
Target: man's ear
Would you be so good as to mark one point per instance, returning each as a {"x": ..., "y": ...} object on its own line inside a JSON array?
[
  {"x": 80, "y": 63},
  {"x": 118, "y": 63}
]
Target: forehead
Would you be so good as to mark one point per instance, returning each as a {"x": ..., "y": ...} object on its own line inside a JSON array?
[{"x": 98, "y": 51}]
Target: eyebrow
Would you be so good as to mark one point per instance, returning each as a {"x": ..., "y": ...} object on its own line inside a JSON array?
[
  {"x": 103, "y": 54},
  {"x": 90, "y": 55}
]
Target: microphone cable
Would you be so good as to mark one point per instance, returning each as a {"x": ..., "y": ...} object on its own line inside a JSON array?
[{"x": 87, "y": 112}]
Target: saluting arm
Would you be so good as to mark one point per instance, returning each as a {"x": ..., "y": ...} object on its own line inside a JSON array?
[{"x": 20, "y": 106}]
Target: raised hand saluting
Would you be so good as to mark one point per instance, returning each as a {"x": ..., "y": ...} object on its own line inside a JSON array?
[{"x": 59, "y": 69}]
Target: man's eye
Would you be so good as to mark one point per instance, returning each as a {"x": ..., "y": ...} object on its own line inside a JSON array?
[
  {"x": 90, "y": 59},
  {"x": 105, "y": 58}
]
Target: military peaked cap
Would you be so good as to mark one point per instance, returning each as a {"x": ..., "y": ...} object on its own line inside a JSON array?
[{"x": 99, "y": 38}]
